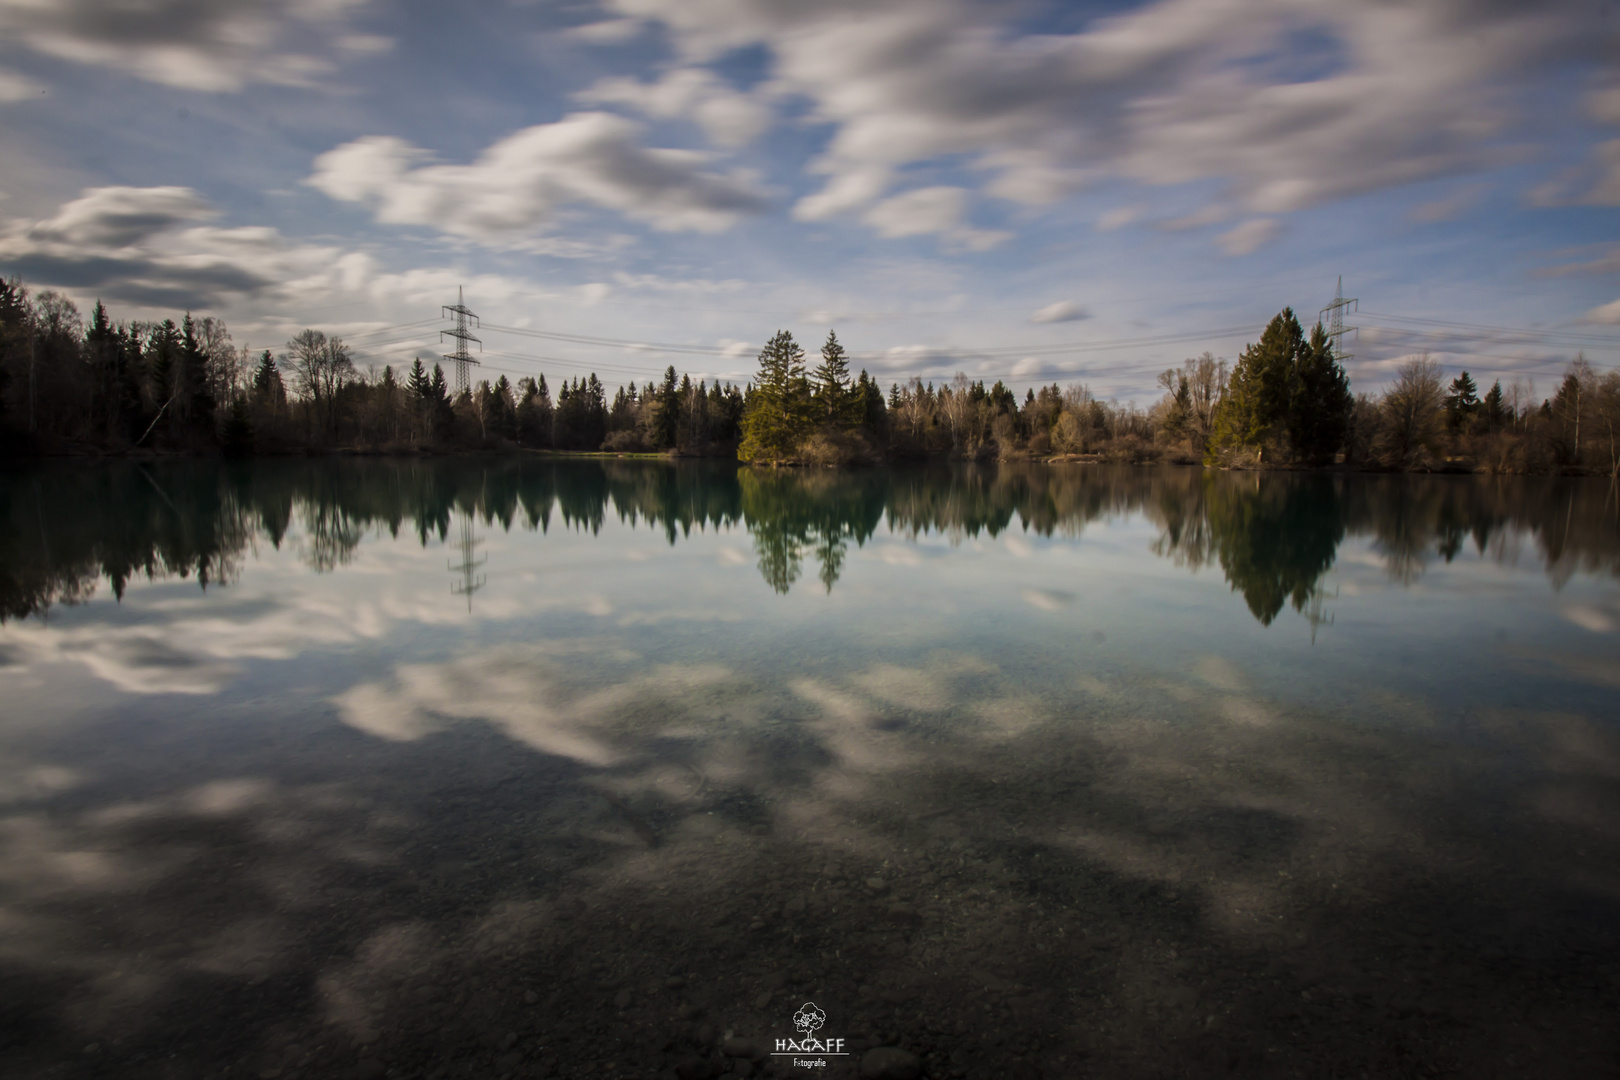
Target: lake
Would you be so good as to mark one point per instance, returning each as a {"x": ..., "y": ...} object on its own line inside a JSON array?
[{"x": 611, "y": 768}]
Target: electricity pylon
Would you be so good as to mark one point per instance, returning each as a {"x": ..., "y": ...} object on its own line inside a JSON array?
[
  {"x": 1333, "y": 315},
  {"x": 462, "y": 336}
]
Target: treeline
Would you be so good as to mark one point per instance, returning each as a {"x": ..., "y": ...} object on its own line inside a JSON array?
[
  {"x": 66, "y": 529},
  {"x": 1285, "y": 402},
  {"x": 186, "y": 387}
]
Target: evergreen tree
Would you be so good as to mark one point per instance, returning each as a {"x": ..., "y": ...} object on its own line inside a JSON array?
[
  {"x": 775, "y": 421},
  {"x": 441, "y": 414},
  {"x": 667, "y": 413},
  {"x": 867, "y": 407},
  {"x": 1494, "y": 407},
  {"x": 832, "y": 384},
  {"x": 417, "y": 382},
  {"x": 1319, "y": 402},
  {"x": 1255, "y": 411},
  {"x": 1462, "y": 402}
]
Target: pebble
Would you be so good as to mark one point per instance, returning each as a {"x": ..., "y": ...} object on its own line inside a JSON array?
[
  {"x": 674, "y": 982},
  {"x": 890, "y": 1063},
  {"x": 530, "y": 997},
  {"x": 621, "y": 1000},
  {"x": 369, "y": 1069},
  {"x": 751, "y": 1049},
  {"x": 876, "y": 884}
]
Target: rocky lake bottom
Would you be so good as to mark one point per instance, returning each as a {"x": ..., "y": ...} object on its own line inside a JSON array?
[{"x": 1046, "y": 838}]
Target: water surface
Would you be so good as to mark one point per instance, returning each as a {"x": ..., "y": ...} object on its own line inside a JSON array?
[{"x": 533, "y": 768}]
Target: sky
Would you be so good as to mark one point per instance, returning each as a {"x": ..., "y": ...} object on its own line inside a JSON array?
[{"x": 1036, "y": 192}]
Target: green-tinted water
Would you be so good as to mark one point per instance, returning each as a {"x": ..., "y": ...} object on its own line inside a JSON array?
[{"x": 465, "y": 768}]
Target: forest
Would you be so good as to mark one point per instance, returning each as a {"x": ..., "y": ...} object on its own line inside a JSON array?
[
  {"x": 74, "y": 386},
  {"x": 65, "y": 529}
]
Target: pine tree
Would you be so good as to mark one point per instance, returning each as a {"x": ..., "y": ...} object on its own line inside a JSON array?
[
  {"x": 1462, "y": 402},
  {"x": 1287, "y": 396},
  {"x": 775, "y": 421},
  {"x": 1495, "y": 408},
  {"x": 1319, "y": 402},
  {"x": 1255, "y": 413},
  {"x": 667, "y": 414},
  {"x": 832, "y": 384},
  {"x": 417, "y": 382}
]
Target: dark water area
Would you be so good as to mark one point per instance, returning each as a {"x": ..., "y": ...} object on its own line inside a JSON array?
[{"x": 529, "y": 768}]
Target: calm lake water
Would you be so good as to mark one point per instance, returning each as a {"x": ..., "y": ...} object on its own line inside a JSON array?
[{"x": 608, "y": 768}]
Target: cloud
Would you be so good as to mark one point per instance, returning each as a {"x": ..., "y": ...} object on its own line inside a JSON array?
[
  {"x": 518, "y": 185},
  {"x": 1605, "y": 190},
  {"x": 15, "y": 87},
  {"x": 1607, "y": 262},
  {"x": 1286, "y": 103},
  {"x": 147, "y": 246},
  {"x": 925, "y": 210},
  {"x": 1249, "y": 236},
  {"x": 1118, "y": 218},
  {"x": 608, "y": 32},
  {"x": 183, "y": 43},
  {"x": 730, "y": 118},
  {"x": 142, "y": 245},
  {"x": 1062, "y": 311},
  {"x": 1608, "y": 314},
  {"x": 931, "y": 210},
  {"x": 1453, "y": 205}
]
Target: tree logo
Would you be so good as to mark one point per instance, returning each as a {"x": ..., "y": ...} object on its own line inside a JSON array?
[{"x": 809, "y": 1018}]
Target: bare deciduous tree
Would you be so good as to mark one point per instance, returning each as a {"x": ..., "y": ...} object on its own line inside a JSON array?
[
  {"x": 1411, "y": 413},
  {"x": 320, "y": 367}
]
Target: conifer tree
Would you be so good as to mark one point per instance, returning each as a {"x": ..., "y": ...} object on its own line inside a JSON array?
[
  {"x": 1494, "y": 407},
  {"x": 417, "y": 382},
  {"x": 776, "y": 418},
  {"x": 1319, "y": 402},
  {"x": 667, "y": 412},
  {"x": 1462, "y": 402},
  {"x": 1256, "y": 405},
  {"x": 832, "y": 384}
]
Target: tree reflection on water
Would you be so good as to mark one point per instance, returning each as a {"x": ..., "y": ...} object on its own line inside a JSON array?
[{"x": 1273, "y": 536}]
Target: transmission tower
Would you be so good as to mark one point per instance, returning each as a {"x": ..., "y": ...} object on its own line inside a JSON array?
[
  {"x": 1333, "y": 316},
  {"x": 462, "y": 336},
  {"x": 470, "y": 581}
]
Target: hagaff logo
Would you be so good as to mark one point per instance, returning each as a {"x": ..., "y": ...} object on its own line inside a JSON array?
[{"x": 809, "y": 1051}]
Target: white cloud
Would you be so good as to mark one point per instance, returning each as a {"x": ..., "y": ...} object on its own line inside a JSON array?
[
  {"x": 1249, "y": 236},
  {"x": 182, "y": 43},
  {"x": 15, "y": 87},
  {"x": 517, "y": 186},
  {"x": 915, "y": 213},
  {"x": 931, "y": 210},
  {"x": 729, "y": 117},
  {"x": 1118, "y": 218},
  {"x": 608, "y": 32},
  {"x": 1062, "y": 311},
  {"x": 365, "y": 44},
  {"x": 1608, "y": 314},
  {"x": 120, "y": 216},
  {"x": 145, "y": 246},
  {"x": 1288, "y": 103},
  {"x": 141, "y": 245}
]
